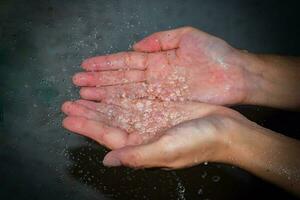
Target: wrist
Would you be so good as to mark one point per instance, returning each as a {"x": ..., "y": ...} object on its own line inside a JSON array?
[
  {"x": 268, "y": 155},
  {"x": 242, "y": 146},
  {"x": 238, "y": 140},
  {"x": 254, "y": 80},
  {"x": 271, "y": 80},
  {"x": 229, "y": 137}
]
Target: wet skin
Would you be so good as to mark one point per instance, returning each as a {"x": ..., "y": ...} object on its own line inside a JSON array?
[
  {"x": 114, "y": 126},
  {"x": 154, "y": 109},
  {"x": 130, "y": 122},
  {"x": 210, "y": 133},
  {"x": 177, "y": 65}
]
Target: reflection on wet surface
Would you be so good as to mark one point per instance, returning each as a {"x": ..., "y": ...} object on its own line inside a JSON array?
[{"x": 42, "y": 45}]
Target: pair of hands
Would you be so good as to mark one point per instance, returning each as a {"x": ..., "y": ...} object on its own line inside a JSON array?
[{"x": 158, "y": 106}]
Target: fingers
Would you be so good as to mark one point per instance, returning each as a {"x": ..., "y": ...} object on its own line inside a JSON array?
[
  {"x": 83, "y": 108},
  {"x": 105, "y": 113},
  {"x": 91, "y": 122},
  {"x": 164, "y": 151},
  {"x": 132, "y": 91},
  {"x": 123, "y": 60},
  {"x": 148, "y": 155},
  {"x": 108, "y": 136},
  {"x": 75, "y": 109},
  {"x": 165, "y": 40},
  {"x": 89, "y": 104},
  {"x": 108, "y": 78},
  {"x": 104, "y": 108}
]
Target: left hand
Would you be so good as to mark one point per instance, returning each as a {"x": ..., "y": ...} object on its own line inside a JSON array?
[{"x": 183, "y": 64}]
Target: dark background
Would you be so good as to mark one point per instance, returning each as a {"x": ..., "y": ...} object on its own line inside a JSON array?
[{"x": 42, "y": 44}]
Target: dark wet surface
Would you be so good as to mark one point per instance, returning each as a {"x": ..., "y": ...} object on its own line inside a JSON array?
[{"x": 42, "y": 44}]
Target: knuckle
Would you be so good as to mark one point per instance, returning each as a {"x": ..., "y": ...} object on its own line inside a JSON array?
[
  {"x": 80, "y": 124},
  {"x": 189, "y": 28},
  {"x": 127, "y": 58},
  {"x": 133, "y": 159}
]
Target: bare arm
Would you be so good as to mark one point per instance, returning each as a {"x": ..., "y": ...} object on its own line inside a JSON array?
[
  {"x": 188, "y": 64},
  {"x": 274, "y": 80},
  {"x": 220, "y": 135},
  {"x": 269, "y": 155},
  {"x": 200, "y": 68}
]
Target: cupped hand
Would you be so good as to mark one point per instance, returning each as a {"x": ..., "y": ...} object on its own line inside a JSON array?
[
  {"x": 128, "y": 122},
  {"x": 207, "y": 139},
  {"x": 175, "y": 65},
  {"x": 141, "y": 133}
]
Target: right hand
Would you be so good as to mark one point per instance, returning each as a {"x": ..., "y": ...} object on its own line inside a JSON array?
[
  {"x": 151, "y": 144},
  {"x": 219, "y": 135},
  {"x": 208, "y": 139},
  {"x": 128, "y": 122}
]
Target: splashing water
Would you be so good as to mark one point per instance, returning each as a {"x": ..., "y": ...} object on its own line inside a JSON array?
[{"x": 180, "y": 187}]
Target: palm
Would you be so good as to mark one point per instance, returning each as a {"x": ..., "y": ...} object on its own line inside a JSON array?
[
  {"x": 202, "y": 72},
  {"x": 136, "y": 130},
  {"x": 135, "y": 121},
  {"x": 188, "y": 144},
  {"x": 198, "y": 67}
]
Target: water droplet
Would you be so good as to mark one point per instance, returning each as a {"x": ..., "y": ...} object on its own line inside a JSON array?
[
  {"x": 200, "y": 191},
  {"x": 216, "y": 178},
  {"x": 204, "y": 174}
]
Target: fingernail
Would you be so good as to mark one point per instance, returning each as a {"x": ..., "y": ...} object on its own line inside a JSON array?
[
  {"x": 79, "y": 78},
  {"x": 75, "y": 78},
  {"x": 111, "y": 162}
]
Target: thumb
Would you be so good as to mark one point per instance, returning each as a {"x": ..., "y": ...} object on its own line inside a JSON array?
[
  {"x": 161, "y": 41},
  {"x": 139, "y": 156}
]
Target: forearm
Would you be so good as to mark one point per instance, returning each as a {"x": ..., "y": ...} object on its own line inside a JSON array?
[
  {"x": 269, "y": 155},
  {"x": 274, "y": 80}
]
